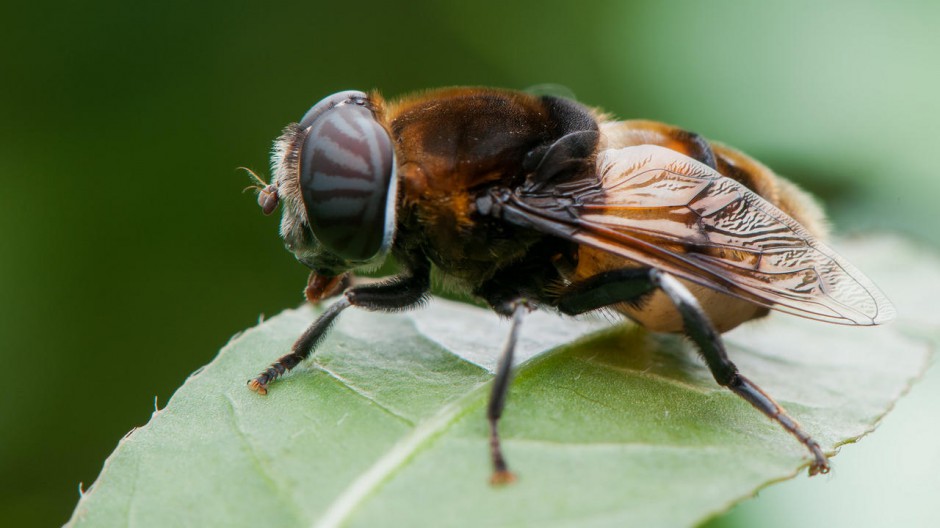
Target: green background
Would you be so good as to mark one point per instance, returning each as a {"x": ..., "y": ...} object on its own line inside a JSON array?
[{"x": 128, "y": 255}]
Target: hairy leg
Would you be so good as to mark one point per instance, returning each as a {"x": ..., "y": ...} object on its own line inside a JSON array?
[{"x": 398, "y": 294}]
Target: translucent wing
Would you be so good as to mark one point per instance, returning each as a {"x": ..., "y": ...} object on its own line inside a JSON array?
[{"x": 657, "y": 207}]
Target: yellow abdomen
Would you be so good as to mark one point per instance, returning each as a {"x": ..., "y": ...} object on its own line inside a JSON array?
[{"x": 657, "y": 312}]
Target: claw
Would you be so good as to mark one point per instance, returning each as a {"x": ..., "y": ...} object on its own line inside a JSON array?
[
  {"x": 819, "y": 467},
  {"x": 257, "y": 386},
  {"x": 502, "y": 477},
  {"x": 821, "y": 464}
]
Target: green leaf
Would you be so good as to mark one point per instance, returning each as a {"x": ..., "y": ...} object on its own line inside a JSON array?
[{"x": 386, "y": 427}]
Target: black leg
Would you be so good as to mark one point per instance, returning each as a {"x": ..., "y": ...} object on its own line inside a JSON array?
[
  {"x": 501, "y": 473},
  {"x": 398, "y": 294},
  {"x": 631, "y": 285},
  {"x": 302, "y": 348},
  {"x": 706, "y": 338}
]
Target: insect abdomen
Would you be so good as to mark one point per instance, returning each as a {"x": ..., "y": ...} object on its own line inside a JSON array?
[{"x": 656, "y": 311}]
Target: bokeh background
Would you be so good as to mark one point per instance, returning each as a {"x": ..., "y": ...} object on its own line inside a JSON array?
[{"x": 128, "y": 254}]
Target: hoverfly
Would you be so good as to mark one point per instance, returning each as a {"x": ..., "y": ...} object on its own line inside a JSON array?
[{"x": 529, "y": 201}]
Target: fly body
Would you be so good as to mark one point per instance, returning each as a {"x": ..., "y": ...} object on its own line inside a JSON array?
[{"x": 538, "y": 202}]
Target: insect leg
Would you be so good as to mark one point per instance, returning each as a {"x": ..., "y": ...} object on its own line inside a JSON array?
[
  {"x": 627, "y": 285},
  {"x": 630, "y": 285},
  {"x": 397, "y": 294},
  {"x": 501, "y": 473},
  {"x": 301, "y": 349},
  {"x": 700, "y": 330}
]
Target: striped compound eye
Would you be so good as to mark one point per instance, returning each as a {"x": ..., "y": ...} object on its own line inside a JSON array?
[{"x": 347, "y": 177}]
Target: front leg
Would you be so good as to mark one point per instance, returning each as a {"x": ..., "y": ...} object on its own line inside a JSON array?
[
  {"x": 399, "y": 293},
  {"x": 631, "y": 285}
]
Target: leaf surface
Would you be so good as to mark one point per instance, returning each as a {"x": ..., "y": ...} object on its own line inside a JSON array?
[{"x": 605, "y": 425}]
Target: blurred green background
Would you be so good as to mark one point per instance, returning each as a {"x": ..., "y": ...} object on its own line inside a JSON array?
[{"x": 129, "y": 254}]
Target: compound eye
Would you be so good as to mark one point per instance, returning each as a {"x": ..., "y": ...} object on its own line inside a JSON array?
[
  {"x": 328, "y": 103},
  {"x": 347, "y": 180}
]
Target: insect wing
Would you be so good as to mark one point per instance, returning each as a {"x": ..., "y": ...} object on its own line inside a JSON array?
[{"x": 658, "y": 207}]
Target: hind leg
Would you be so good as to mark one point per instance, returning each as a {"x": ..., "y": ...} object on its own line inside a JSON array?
[{"x": 630, "y": 285}]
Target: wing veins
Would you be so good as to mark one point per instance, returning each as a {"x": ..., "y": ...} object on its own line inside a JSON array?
[{"x": 780, "y": 237}]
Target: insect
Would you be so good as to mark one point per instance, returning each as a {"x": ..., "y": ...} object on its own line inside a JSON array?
[{"x": 538, "y": 202}]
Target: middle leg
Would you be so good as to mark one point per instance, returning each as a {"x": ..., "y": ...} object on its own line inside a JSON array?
[
  {"x": 494, "y": 410},
  {"x": 504, "y": 297}
]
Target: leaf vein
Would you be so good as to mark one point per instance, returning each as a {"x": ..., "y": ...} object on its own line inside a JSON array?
[
  {"x": 260, "y": 466},
  {"x": 362, "y": 393}
]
